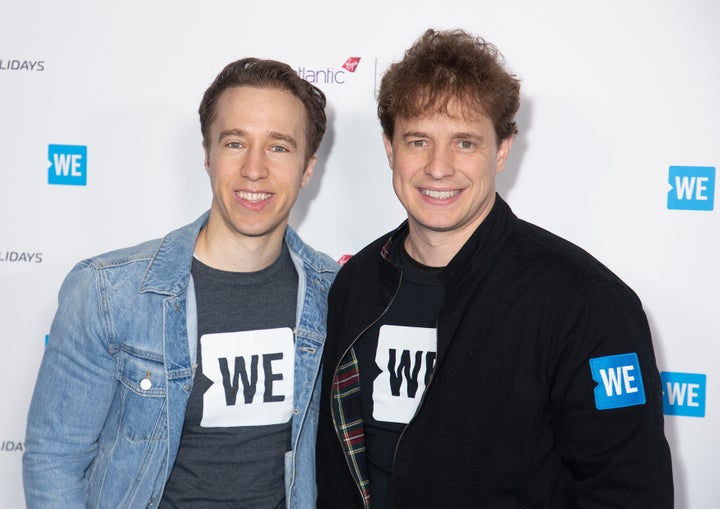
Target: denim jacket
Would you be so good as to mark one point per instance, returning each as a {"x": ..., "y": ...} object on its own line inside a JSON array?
[{"x": 108, "y": 409}]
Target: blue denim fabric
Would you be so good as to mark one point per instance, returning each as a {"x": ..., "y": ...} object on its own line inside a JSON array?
[{"x": 97, "y": 435}]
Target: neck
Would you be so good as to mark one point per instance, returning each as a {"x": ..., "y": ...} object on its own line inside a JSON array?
[
  {"x": 431, "y": 250},
  {"x": 236, "y": 253},
  {"x": 436, "y": 248}
]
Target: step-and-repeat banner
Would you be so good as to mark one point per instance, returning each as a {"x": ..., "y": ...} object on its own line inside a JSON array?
[{"x": 618, "y": 149}]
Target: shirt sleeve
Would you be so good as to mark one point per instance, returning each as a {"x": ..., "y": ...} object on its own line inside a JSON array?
[
  {"x": 607, "y": 396},
  {"x": 73, "y": 394}
]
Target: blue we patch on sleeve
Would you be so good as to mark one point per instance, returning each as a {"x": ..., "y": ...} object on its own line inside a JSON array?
[{"x": 619, "y": 380}]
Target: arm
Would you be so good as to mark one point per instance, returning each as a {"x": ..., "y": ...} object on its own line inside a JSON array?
[
  {"x": 74, "y": 390},
  {"x": 610, "y": 429}
]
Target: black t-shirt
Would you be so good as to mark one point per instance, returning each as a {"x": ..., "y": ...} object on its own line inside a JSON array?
[
  {"x": 238, "y": 419},
  {"x": 396, "y": 358}
]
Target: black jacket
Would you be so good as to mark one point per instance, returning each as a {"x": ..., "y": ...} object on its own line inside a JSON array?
[{"x": 512, "y": 417}]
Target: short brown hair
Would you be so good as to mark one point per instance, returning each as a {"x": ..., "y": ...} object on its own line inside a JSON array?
[
  {"x": 445, "y": 65},
  {"x": 270, "y": 74}
]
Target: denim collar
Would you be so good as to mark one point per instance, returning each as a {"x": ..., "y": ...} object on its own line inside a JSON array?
[{"x": 169, "y": 270}]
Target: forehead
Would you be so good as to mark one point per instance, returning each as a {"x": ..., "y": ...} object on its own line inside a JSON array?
[
  {"x": 460, "y": 108},
  {"x": 464, "y": 103},
  {"x": 271, "y": 107},
  {"x": 447, "y": 122}
]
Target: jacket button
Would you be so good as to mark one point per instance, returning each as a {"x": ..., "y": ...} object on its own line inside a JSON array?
[{"x": 145, "y": 383}]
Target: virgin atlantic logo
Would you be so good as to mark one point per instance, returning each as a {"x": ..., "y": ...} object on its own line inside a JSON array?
[
  {"x": 351, "y": 64},
  {"x": 329, "y": 75}
]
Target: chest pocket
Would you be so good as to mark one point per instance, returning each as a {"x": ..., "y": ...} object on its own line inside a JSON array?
[{"x": 143, "y": 397}]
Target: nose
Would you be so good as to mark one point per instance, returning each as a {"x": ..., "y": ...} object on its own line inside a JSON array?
[
  {"x": 440, "y": 164},
  {"x": 255, "y": 164}
]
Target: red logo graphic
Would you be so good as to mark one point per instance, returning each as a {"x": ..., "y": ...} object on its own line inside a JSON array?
[
  {"x": 351, "y": 63},
  {"x": 344, "y": 258}
]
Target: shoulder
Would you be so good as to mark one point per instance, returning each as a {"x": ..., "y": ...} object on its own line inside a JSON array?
[
  {"x": 142, "y": 252},
  {"x": 160, "y": 254},
  {"x": 368, "y": 256},
  {"x": 554, "y": 269},
  {"x": 537, "y": 246},
  {"x": 317, "y": 261},
  {"x": 124, "y": 265},
  {"x": 366, "y": 268}
]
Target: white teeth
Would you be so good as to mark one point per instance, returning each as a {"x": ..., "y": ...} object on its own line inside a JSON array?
[
  {"x": 253, "y": 196},
  {"x": 439, "y": 195}
]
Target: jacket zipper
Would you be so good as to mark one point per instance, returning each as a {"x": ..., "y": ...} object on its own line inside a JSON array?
[
  {"x": 422, "y": 399},
  {"x": 332, "y": 408}
]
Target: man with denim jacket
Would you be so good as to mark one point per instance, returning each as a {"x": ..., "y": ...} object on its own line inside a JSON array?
[{"x": 183, "y": 372}]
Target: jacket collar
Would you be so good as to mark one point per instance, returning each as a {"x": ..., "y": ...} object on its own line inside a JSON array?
[
  {"x": 484, "y": 244},
  {"x": 169, "y": 269},
  {"x": 318, "y": 262}
]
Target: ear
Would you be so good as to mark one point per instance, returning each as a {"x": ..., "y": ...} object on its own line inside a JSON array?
[
  {"x": 206, "y": 162},
  {"x": 388, "y": 150},
  {"x": 309, "y": 167},
  {"x": 502, "y": 154}
]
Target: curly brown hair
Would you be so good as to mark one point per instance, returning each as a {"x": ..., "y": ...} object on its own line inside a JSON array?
[
  {"x": 442, "y": 66},
  {"x": 269, "y": 74}
]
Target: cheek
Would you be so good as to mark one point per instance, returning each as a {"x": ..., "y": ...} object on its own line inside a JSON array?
[
  {"x": 402, "y": 177},
  {"x": 401, "y": 185},
  {"x": 291, "y": 179},
  {"x": 396, "y": 179},
  {"x": 221, "y": 166}
]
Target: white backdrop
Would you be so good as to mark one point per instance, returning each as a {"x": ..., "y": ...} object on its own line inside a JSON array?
[{"x": 615, "y": 95}]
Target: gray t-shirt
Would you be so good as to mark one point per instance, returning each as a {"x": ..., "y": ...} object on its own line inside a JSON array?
[{"x": 238, "y": 420}]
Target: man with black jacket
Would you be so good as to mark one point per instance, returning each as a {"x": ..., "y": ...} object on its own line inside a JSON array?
[{"x": 474, "y": 359}]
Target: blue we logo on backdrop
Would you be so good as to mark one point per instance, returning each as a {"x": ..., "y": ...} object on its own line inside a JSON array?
[
  {"x": 683, "y": 393},
  {"x": 68, "y": 165},
  {"x": 692, "y": 188}
]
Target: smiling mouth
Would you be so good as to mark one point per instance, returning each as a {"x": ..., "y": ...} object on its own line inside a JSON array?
[
  {"x": 244, "y": 195},
  {"x": 439, "y": 195}
]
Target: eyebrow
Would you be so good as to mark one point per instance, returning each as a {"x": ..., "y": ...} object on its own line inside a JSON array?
[
  {"x": 455, "y": 136},
  {"x": 230, "y": 132},
  {"x": 272, "y": 134},
  {"x": 283, "y": 137},
  {"x": 414, "y": 134},
  {"x": 467, "y": 135}
]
